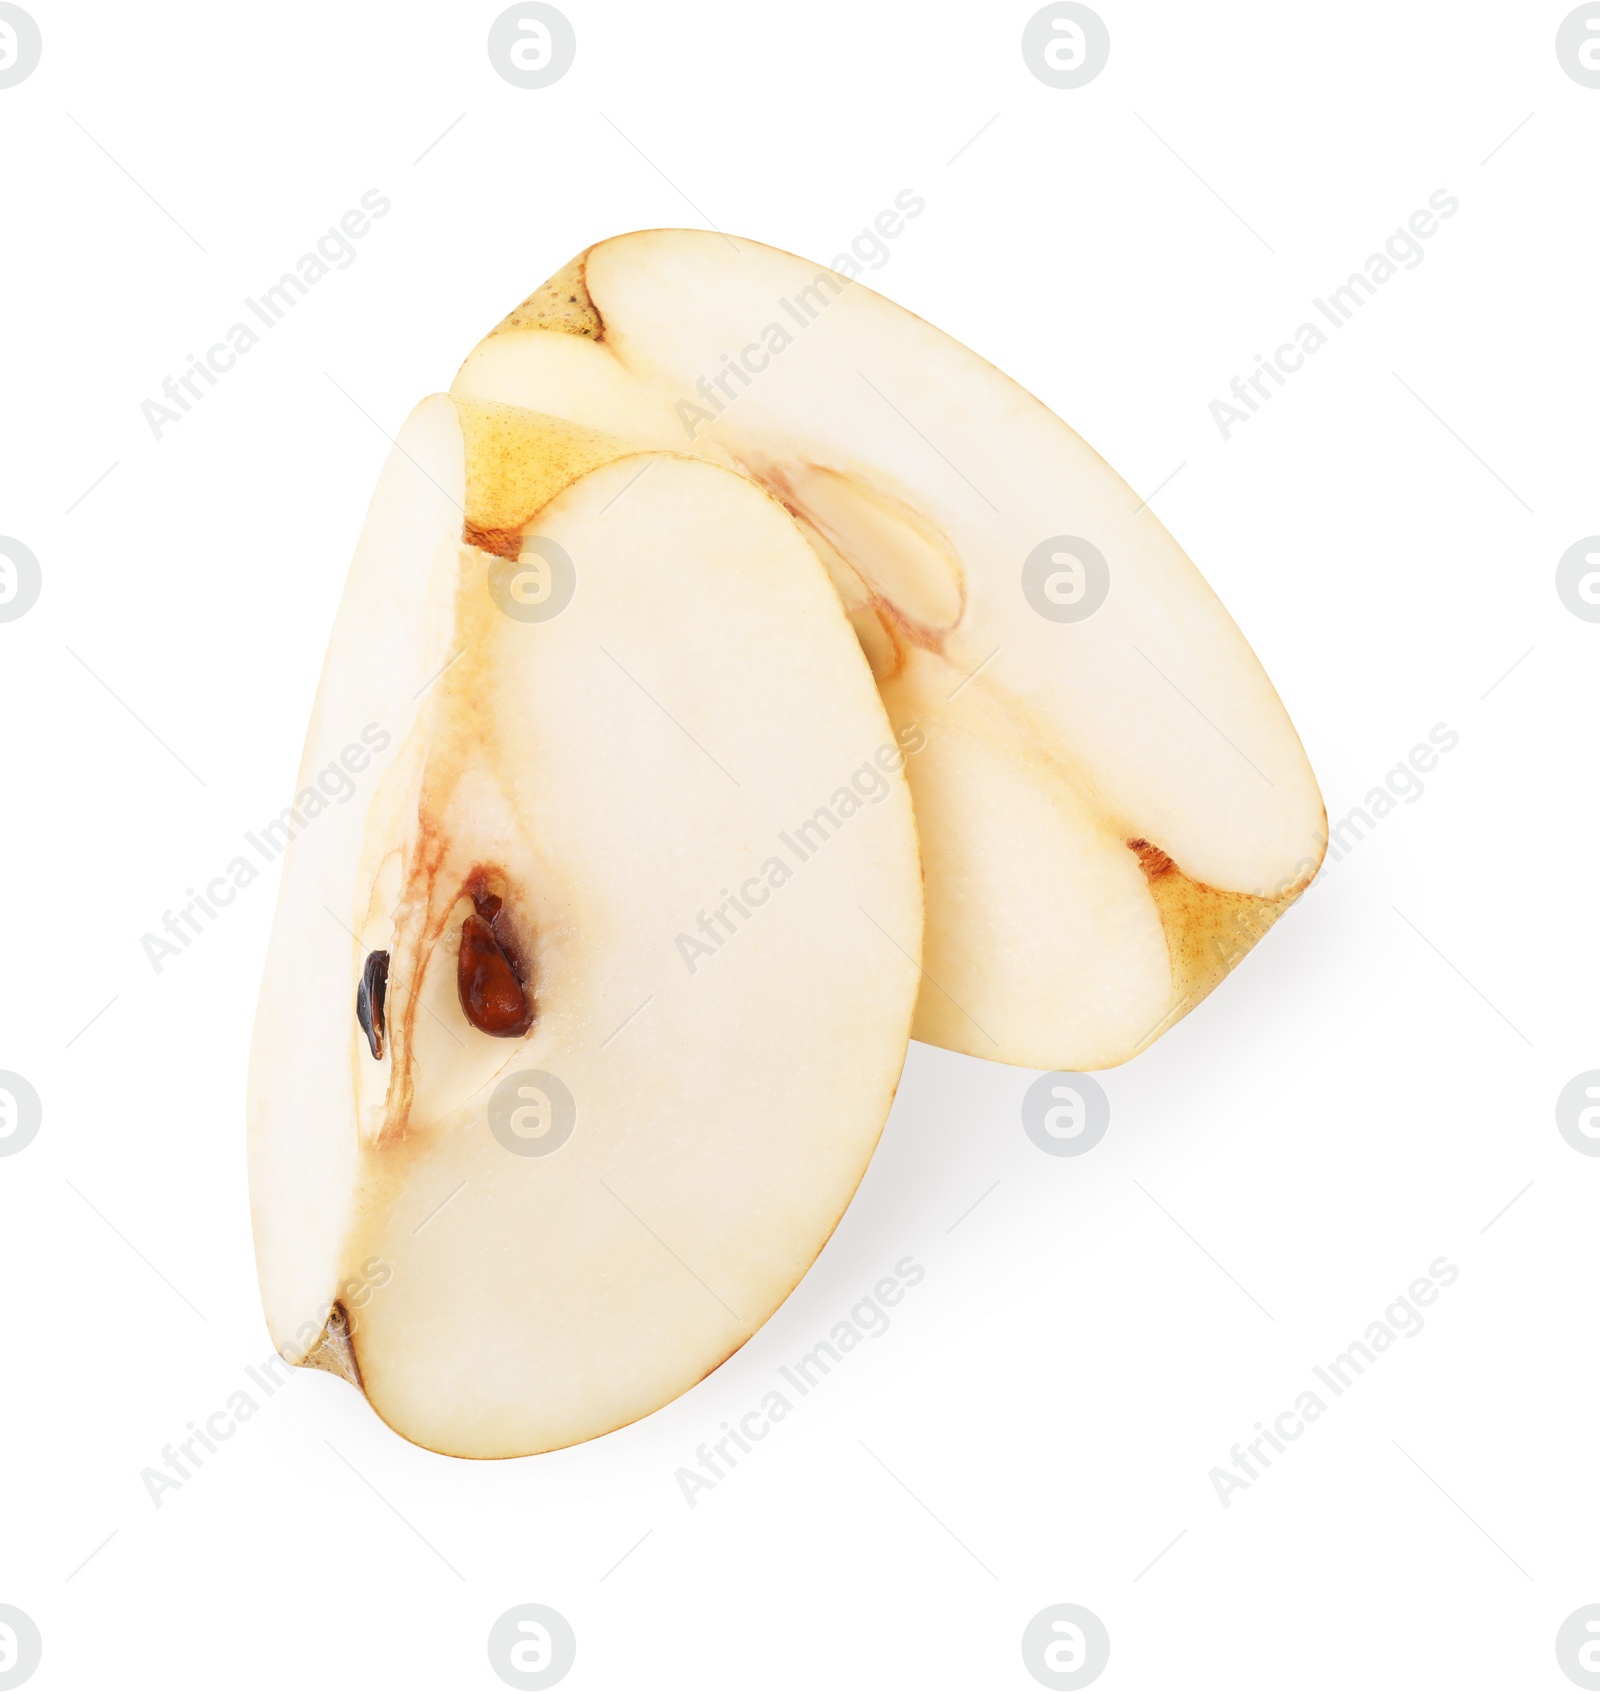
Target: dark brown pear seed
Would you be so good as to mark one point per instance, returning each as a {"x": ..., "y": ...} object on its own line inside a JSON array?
[
  {"x": 370, "y": 994},
  {"x": 490, "y": 986}
]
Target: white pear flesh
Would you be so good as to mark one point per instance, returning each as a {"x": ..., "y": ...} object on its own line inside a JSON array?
[
  {"x": 1112, "y": 811},
  {"x": 622, "y": 773}
]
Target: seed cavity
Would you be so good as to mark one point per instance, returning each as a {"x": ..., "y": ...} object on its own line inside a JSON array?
[
  {"x": 489, "y": 975},
  {"x": 370, "y": 994},
  {"x": 897, "y": 551}
]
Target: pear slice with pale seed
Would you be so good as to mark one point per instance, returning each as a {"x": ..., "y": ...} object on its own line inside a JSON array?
[{"x": 1113, "y": 805}]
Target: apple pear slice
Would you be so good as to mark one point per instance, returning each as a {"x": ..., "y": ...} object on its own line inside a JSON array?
[
  {"x": 1113, "y": 805},
  {"x": 583, "y": 1013}
]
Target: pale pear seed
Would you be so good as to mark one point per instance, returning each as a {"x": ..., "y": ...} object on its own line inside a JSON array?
[
  {"x": 902, "y": 556},
  {"x": 370, "y": 994},
  {"x": 870, "y": 618}
]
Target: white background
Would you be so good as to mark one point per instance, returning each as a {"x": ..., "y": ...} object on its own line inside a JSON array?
[{"x": 1372, "y": 1089}]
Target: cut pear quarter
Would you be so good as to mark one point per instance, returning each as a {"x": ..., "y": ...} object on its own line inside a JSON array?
[
  {"x": 1113, "y": 805},
  {"x": 628, "y": 895}
]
